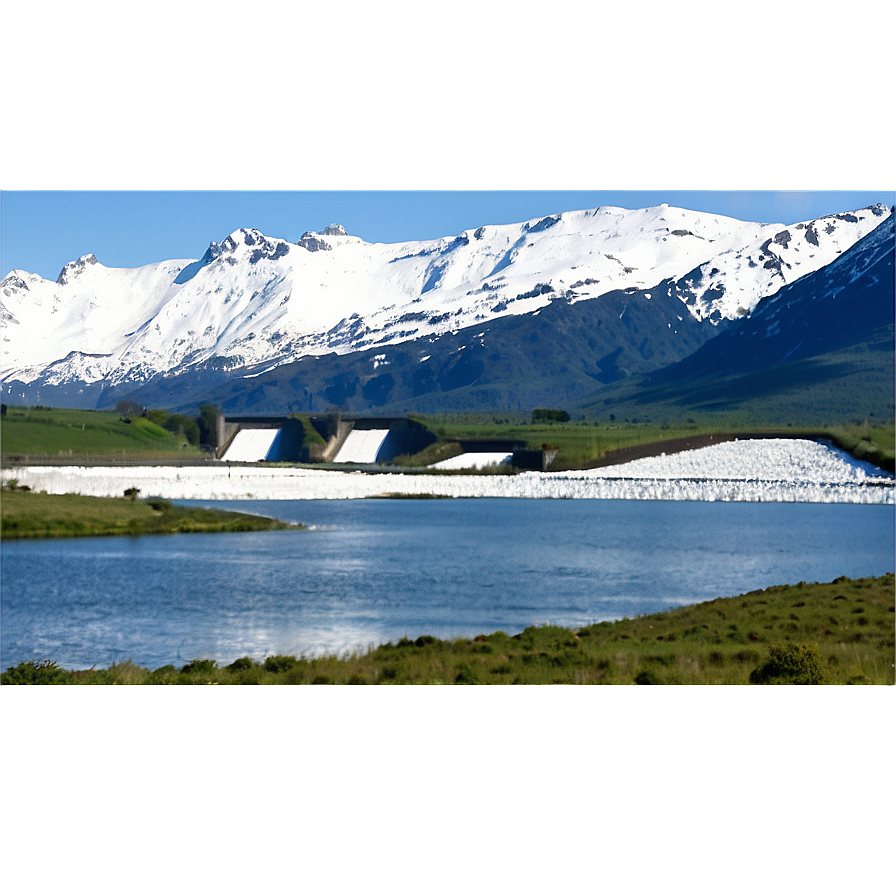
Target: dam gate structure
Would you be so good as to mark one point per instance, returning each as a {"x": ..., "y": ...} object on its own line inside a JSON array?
[{"x": 326, "y": 438}]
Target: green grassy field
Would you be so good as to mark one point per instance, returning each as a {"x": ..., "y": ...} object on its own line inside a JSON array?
[
  {"x": 840, "y": 632},
  {"x": 47, "y": 434},
  {"x": 38, "y": 433},
  {"x": 25, "y": 514}
]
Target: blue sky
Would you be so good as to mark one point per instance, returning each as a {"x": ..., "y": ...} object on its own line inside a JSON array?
[
  {"x": 42, "y": 230},
  {"x": 369, "y": 105}
]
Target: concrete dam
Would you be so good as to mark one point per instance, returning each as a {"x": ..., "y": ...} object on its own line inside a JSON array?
[{"x": 330, "y": 439}]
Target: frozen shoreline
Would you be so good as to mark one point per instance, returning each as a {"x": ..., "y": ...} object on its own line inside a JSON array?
[{"x": 787, "y": 470}]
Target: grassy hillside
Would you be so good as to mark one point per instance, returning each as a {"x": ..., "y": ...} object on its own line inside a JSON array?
[
  {"x": 835, "y": 633},
  {"x": 852, "y": 384},
  {"x": 25, "y": 514},
  {"x": 53, "y": 433}
]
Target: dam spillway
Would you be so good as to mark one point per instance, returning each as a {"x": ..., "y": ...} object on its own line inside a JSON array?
[
  {"x": 327, "y": 438},
  {"x": 361, "y": 446},
  {"x": 251, "y": 445}
]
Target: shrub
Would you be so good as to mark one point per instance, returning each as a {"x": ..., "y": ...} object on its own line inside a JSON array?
[
  {"x": 183, "y": 426},
  {"x": 646, "y": 676},
  {"x": 248, "y": 677},
  {"x": 791, "y": 664},
  {"x": 549, "y": 414},
  {"x": 465, "y": 676},
  {"x": 279, "y": 664},
  {"x": 34, "y": 672},
  {"x": 240, "y": 665},
  {"x": 163, "y": 675},
  {"x": 423, "y": 640},
  {"x": 200, "y": 667},
  {"x": 159, "y": 504},
  {"x": 125, "y": 672}
]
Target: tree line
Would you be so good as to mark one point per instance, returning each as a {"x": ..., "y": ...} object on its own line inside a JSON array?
[{"x": 201, "y": 431}]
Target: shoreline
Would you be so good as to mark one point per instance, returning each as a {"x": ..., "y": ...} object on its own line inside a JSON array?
[{"x": 839, "y": 632}]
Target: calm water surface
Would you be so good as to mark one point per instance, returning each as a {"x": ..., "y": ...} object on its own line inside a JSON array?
[{"x": 372, "y": 571}]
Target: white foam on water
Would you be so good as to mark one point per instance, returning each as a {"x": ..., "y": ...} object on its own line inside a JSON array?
[
  {"x": 785, "y": 470},
  {"x": 361, "y": 446},
  {"x": 250, "y": 445}
]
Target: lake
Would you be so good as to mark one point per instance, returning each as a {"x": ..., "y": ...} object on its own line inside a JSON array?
[{"x": 372, "y": 571}]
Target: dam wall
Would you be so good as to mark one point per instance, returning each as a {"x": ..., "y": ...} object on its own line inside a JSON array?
[{"x": 360, "y": 440}]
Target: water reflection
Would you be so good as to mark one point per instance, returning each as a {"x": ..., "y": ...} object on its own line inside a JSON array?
[{"x": 374, "y": 571}]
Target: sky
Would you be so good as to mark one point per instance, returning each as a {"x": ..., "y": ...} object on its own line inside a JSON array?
[
  {"x": 40, "y": 231},
  {"x": 367, "y": 121}
]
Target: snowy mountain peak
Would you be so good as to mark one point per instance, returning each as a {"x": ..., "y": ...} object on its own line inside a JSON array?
[
  {"x": 75, "y": 268},
  {"x": 247, "y": 244},
  {"x": 257, "y": 300}
]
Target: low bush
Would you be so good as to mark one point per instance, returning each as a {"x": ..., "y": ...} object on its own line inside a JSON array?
[
  {"x": 646, "y": 676},
  {"x": 163, "y": 675},
  {"x": 280, "y": 663},
  {"x": 791, "y": 664},
  {"x": 35, "y": 672},
  {"x": 465, "y": 676},
  {"x": 200, "y": 667}
]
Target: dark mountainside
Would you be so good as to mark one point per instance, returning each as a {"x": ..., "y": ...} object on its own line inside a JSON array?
[
  {"x": 820, "y": 349},
  {"x": 841, "y": 305},
  {"x": 552, "y": 356}
]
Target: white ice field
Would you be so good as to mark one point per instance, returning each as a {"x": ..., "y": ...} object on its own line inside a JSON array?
[{"x": 792, "y": 470}]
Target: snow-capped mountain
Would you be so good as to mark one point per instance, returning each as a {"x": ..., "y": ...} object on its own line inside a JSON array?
[
  {"x": 845, "y": 303},
  {"x": 253, "y": 302}
]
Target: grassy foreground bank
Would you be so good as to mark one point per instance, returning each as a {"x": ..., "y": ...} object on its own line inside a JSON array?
[
  {"x": 26, "y": 514},
  {"x": 841, "y": 632}
]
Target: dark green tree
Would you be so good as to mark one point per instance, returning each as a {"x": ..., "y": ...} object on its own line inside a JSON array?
[
  {"x": 208, "y": 425},
  {"x": 183, "y": 426},
  {"x": 540, "y": 415}
]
